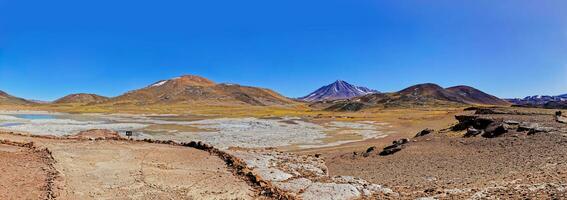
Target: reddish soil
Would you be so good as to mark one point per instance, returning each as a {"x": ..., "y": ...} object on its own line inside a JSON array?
[{"x": 26, "y": 171}]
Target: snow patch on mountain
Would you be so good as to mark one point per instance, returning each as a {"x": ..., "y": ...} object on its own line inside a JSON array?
[{"x": 158, "y": 83}]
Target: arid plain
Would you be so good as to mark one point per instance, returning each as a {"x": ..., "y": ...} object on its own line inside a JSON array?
[{"x": 190, "y": 138}]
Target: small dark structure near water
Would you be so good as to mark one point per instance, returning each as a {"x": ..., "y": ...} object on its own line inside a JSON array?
[{"x": 129, "y": 134}]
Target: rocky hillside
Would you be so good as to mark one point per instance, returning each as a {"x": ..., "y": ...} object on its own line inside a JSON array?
[
  {"x": 422, "y": 95},
  {"x": 337, "y": 90},
  {"x": 195, "y": 89},
  {"x": 81, "y": 98},
  {"x": 6, "y": 99}
]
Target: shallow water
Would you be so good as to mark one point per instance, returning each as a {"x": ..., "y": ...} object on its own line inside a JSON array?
[
  {"x": 35, "y": 116},
  {"x": 10, "y": 124}
]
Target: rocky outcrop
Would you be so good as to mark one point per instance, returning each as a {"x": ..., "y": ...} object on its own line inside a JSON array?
[
  {"x": 396, "y": 146},
  {"x": 491, "y": 128},
  {"x": 560, "y": 118},
  {"x": 494, "y": 129},
  {"x": 467, "y": 121},
  {"x": 424, "y": 132}
]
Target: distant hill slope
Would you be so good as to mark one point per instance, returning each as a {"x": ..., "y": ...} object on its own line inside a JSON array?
[
  {"x": 6, "y": 99},
  {"x": 81, "y": 98},
  {"x": 337, "y": 90},
  {"x": 421, "y": 95},
  {"x": 472, "y": 95},
  {"x": 195, "y": 89}
]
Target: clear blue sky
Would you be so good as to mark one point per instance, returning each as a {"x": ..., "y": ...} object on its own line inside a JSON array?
[{"x": 510, "y": 48}]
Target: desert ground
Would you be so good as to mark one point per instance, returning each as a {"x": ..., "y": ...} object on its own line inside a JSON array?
[{"x": 318, "y": 155}]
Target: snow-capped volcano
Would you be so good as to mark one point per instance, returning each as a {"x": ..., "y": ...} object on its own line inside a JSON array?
[{"x": 337, "y": 90}]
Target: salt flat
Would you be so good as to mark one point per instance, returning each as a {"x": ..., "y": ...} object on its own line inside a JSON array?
[{"x": 221, "y": 132}]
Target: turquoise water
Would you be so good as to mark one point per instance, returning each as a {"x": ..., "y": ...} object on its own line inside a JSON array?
[{"x": 35, "y": 116}]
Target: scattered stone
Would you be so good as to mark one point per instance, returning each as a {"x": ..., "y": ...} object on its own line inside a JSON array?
[
  {"x": 512, "y": 122},
  {"x": 368, "y": 151},
  {"x": 540, "y": 130},
  {"x": 424, "y": 132},
  {"x": 525, "y": 126}
]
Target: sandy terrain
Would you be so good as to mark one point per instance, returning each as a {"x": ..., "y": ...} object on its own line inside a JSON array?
[
  {"x": 448, "y": 166},
  {"x": 26, "y": 173},
  {"x": 133, "y": 170}
]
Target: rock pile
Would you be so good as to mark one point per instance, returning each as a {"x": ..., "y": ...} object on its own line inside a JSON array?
[{"x": 490, "y": 128}]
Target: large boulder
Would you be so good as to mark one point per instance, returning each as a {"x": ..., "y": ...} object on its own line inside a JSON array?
[
  {"x": 396, "y": 146},
  {"x": 467, "y": 121},
  {"x": 389, "y": 150},
  {"x": 559, "y": 117},
  {"x": 494, "y": 129}
]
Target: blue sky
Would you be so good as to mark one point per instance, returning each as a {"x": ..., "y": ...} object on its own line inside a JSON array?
[{"x": 510, "y": 48}]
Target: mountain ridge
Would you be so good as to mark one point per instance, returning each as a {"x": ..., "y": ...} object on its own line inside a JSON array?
[
  {"x": 7, "y": 99},
  {"x": 81, "y": 98},
  {"x": 541, "y": 101},
  {"x": 420, "y": 95},
  {"x": 337, "y": 90},
  {"x": 191, "y": 88}
]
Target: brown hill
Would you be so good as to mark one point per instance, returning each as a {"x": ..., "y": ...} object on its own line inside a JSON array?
[
  {"x": 195, "y": 89},
  {"x": 472, "y": 95},
  {"x": 81, "y": 98},
  {"x": 6, "y": 99},
  {"x": 422, "y": 95}
]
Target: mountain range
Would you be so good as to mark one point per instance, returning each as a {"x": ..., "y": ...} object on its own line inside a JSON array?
[
  {"x": 195, "y": 89},
  {"x": 81, "y": 98},
  {"x": 338, "y": 96},
  {"x": 338, "y": 90},
  {"x": 541, "y": 101},
  {"x": 420, "y": 95}
]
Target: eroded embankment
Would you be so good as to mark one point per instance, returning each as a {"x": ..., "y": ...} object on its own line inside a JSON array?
[
  {"x": 269, "y": 173},
  {"x": 237, "y": 166},
  {"x": 41, "y": 159}
]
